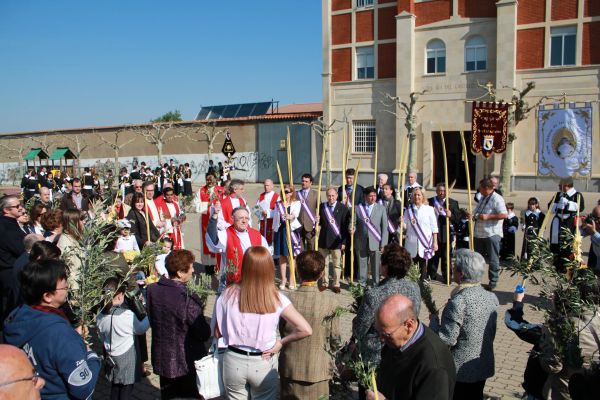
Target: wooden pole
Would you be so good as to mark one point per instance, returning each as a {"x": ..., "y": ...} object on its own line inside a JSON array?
[
  {"x": 375, "y": 170},
  {"x": 146, "y": 212},
  {"x": 403, "y": 161},
  {"x": 344, "y": 161},
  {"x": 288, "y": 233},
  {"x": 469, "y": 196},
  {"x": 352, "y": 211},
  {"x": 447, "y": 202},
  {"x": 318, "y": 227},
  {"x": 374, "y": 384},
  {"x": 289, "y": 156}
]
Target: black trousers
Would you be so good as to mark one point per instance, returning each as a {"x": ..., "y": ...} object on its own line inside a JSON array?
[
  {"x": 433, "y": 263},
  {"x": 183, "y": 387},
  {"x": 469, "y": 391},
  {"x": 422, "y": 263},
  {"x": 120, "y": 392}
]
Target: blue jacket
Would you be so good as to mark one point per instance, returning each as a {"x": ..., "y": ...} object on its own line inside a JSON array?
[{"x": 56, "y": 351}]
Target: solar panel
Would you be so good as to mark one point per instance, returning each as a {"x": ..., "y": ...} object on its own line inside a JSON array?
[{"x": 234, "y": 110}]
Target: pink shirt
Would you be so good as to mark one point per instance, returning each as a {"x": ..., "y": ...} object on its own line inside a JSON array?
[{"x": 248, "y": 331}]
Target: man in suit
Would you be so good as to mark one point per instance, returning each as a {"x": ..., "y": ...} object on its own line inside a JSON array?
[
  {"x": 345, "y": 192},
  {"x": 371, "y": 235},
  {"x": 410, "y": 186},
  {"x": 446, "y": 211},
  {"x": 75, "y": 200},
  {"x": 392, "y": 210},
  {"x": 305, "y": 365},
  {"x": 308, "y": 212},
  {"x": 334, "y": 218}
]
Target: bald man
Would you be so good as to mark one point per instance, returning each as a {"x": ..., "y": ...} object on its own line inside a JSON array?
[
  {"x": 18, "y": 379},
  {"x": 415, "y": 363}
]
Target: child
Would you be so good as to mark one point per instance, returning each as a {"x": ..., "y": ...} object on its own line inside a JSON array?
[
  {"x": 462, "y": 230},
  {"x": 159, "y": 265},
  {"x": 126, "y": 242},
  {"x": 509, "y": 227},
  {"x": 533, "y": 218},
  {"x": 118, "y": 327}
]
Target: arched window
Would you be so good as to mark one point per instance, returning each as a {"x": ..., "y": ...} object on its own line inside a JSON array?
[
  {"x": 436, "y": 57},
  {"x": 475, "y": 54}
]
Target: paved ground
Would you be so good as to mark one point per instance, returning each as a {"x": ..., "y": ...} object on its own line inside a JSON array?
[{"x": 511, "y": 353}]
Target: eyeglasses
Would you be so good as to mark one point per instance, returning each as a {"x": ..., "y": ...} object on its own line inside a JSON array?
[
  {"x": 389, "y": 335},
  {"x": 287, "y": 192},
  {"x": 17, "y": 206},
  {"x": 34, "y": 379},
  {"x": 137, "y": 187},
  {"x": 63, "y": 288}
]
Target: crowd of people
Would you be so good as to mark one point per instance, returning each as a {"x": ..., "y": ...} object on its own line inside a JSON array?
[{"x": 275, "y": 319}]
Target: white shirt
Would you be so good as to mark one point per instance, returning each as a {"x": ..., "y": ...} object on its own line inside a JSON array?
[
  {"x": 425, "y": 216},
  {"x": 265, "y": 205},
  {"x": 159, "y": 264},
  {"x": 125, "y": 243},
  {"x": 124, "y": 326},
  {"x": 295, "y": 208}
]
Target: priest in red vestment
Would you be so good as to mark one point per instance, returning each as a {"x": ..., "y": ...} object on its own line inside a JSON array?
[
  {"x": 172, "y": 215},
  {"x": 264, "y": 209}
]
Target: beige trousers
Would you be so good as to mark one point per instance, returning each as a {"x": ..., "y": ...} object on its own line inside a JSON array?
[
  {"x": 335, "y": 257},
  {"x": 248, "y": 377}
]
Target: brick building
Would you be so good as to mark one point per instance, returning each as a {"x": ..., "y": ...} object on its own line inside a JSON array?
[{"x": 448, "y": 47}]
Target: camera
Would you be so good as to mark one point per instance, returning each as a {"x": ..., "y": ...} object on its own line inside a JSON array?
[
  {"x": 133, "y": 298},
  {"x": 590, "y": 219}
]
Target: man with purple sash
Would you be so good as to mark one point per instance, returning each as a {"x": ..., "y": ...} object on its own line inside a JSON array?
[
  {"x": 392, "y": 210},
  {"x": 447, "y": 211},
  {"x": 334, "y": 219},
  {"x": 345, "y": 197},
  {"x": 308, "y": 213},
  {"x": 421, "y": 230},
  {"x": 371, "y": 235}
]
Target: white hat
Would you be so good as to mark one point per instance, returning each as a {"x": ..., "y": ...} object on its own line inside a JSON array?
[{"x": 124, "y": 224}]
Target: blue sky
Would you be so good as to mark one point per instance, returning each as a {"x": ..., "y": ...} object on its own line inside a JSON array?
[{"x": 79, "y": 63}]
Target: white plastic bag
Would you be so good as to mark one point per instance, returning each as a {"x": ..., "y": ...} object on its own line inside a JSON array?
[{"x": 209, "y": 376}]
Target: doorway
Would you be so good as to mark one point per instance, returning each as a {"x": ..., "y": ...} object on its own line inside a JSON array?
[{"x": 454, "y": 154}]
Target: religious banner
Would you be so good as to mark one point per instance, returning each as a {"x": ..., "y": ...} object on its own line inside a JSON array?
[
  {"x": 565, "y": 140},
  {"x": 228, "y": 149},
  {"x": 489, "y": 128}
]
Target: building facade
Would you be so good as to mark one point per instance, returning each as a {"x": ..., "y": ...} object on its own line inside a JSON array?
[{"x": 376, "y": 49}]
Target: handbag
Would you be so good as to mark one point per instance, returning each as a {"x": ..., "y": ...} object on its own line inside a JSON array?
[{"x": 209, "y": 375}]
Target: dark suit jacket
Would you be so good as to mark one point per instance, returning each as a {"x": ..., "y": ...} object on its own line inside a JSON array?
[
  {"x": 454, "y": 219},
  {"x": 139, "y": 229},
  {"x": 358, "y": 198},
  {"x": 312, "y": 204},
  {"x": 392, "y": 210},
  {"x": 328, "y": 239},
  {"x": 67, "y": 203}
]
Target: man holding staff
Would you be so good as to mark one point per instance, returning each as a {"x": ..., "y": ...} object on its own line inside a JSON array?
[
  {"x": 447, "y": 211},
  {"x": 308, "y": 213},
  {"x": 392, "y": 210},
  {"x": 333, "y": 220},
  {"x": 488, "y": 217},
  {"x": 345, "y": 197},
  {"x": 371, "y": 235}
]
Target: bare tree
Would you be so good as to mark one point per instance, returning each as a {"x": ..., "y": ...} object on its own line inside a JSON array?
[
  {"x": 46, "y": 141},
  {"x": 79, "y": 148},
  {"x": 16, "y": 150},
  {"x": 205, "y": 133},
  {"x": 407, "y": 112},
  {"x": 160, "y": 133},
  {"x": 115, "y": 144}
]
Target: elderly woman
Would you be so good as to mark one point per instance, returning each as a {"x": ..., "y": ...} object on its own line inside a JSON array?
[
  {"x": 468, "y": 326},
  {"x": 421, "y": 230},
  {"x": 395, "y": 263}
]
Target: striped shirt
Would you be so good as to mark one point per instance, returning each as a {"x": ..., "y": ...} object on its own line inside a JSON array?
[{"x": 492, "y": 204}]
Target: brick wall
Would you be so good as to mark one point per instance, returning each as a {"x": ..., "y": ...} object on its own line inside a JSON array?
[
  {"x": 530, "y": 48},
  {"x": 341, "y": 29},
  {"x": 406, "y": 5},
  {"x": 386, "y": 61},
  {"x": 531, "y": 11},
  {"x": 591, "y": 43},
  {"x": 364, "y": 26},
  {"x": 564, "y": 9},
  {"x": 341, "y": 65},
  {"x": 432, "y": 11},
  {"x": 477, "y": 8},
  {"x": 386, "y": 23},
  {"x": 386, "y": 1},
  {"x": 591, "y": 8},
  {"x": 337, "y": 5}
]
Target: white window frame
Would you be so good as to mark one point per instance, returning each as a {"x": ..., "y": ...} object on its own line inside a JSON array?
[
  {"x": 365, "y": 3},
  {"x": 364, "y": 133},
  {"x": 476, "y": 49},
  {"x": 436, "y": 53},
  {"x": 364, "y": 58},
  {"x": 563, "y": 32}
]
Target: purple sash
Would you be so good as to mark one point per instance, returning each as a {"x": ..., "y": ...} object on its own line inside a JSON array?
[
  {"x": 391, "y": 227},
  {"x": 427, "y": 244},
  {"x": 331, "y": 221},
  {"x": 306, "y": 207},
  {"x": 296, "y": 246},
  {"x": 349, "y": 197},
  {"x": 372, "y": 229},
  {"x": 439, "y": 207}
]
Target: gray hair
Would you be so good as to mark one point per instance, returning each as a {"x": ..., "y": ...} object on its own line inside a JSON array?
[
  {"x": 235, "y": 184},
  {"x": 471, "y": 264},
  {"x": 5, "y": 201},
  {"x": 44, "y": 189},
  {"x": 240, "y": 208}
]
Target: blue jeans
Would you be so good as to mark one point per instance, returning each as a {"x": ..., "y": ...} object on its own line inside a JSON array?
[{"x": 489, "y": 248}]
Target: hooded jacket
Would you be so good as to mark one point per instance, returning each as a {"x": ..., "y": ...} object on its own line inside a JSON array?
[{"x": 56, "y": 351}]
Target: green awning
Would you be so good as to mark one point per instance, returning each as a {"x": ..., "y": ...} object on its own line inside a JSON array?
[
  {"x": 62, "y": 152},
  {"x": 33, "y": 153}
]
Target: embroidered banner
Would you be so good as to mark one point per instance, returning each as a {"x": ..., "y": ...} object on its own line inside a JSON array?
[
  {"x": 489, "y": 128},
  {"x": 565, "y": 140}
]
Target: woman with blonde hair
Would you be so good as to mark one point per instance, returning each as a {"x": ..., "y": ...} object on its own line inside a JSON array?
[
  {"x": 247, "y": 316},
  {"x": 68, "y": 243},
  {"x": 280, "y": 243},
  {"x": 421, "y": 230}
]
